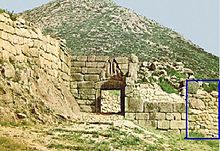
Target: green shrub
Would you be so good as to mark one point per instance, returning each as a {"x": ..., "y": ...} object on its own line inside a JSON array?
[
  {"x": 213, "y": 86},
  {"x": 193, "y": 87},
  {"x": 166, "y": 86},
  {"x": 2, "y": 11},
  {"x": 179, "y": 75},
  {"x": 12, "y": 15}
]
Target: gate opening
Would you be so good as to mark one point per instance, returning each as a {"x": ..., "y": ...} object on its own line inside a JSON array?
[{"x": 111, "y": 101}]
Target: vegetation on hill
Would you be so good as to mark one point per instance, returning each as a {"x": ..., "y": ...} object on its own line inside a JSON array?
[{"x": 102, "y": 27}]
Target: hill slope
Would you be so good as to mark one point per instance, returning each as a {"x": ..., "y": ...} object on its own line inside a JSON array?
[{"x": 102, "y": 27}]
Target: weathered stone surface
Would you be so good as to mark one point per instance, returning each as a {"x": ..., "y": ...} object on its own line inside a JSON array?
[
  {"x": 183, "y": 116},
  {"x": 87, "y": 108},
  {"x": 177, "y": 116},
  {"x": 91, "y": 64},
  {"x": 87, "y": 96},
  {"x": 78, "y": 64},
  {"x": 197, "y": 104},
  {"x": 134, "y": 104},
  {"x": 165, "y": 107},
  {"x": 124, "y": 67},
  {"x": 157, "y": 116},
  {"x": 100, "y": 64},
  {"x": 94, "y": 70},
  {"x": 122, "y": 60},
  {"x": 91, "y": 58},
  {"x": 91, "y": 78},
  {"x": 142, "y": 116},
  {"x": 86, "y": 102},
  {"x": 76, "y": 70},
  {"x": 86, "y": 91},
  {"x": 163, "y": 124},
  {"x": 177, "y": 124},
  {"x": 130, "y": 116},
  {"x": 101, "y": 58},
  {"x": 73, "y": 85},
  {"x": 179, "y": 107},
  {"x": 77, "y": 77},
  {"x": 134, "y": 58},
  {"x": 150, "y": 107},
  {"x": 169, "y": 116},
  {"x": 81, "y": 58},
  {"x": 8, "y": 70},
  {"x": 86, "y": 84}
]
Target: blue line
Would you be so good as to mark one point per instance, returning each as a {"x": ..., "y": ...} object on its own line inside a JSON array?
[
  {"x": 218, "y": 109},
  {"x": 186, "y": 108},
  {"x": 190, "y": 138},
  {"x": 204, "y": 80}
]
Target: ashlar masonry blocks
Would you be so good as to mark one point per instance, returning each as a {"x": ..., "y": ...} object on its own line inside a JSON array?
[{"x": 92, "y": 74}]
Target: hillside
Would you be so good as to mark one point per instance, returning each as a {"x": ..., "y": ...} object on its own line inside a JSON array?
[{"x": 102, "y": 27}]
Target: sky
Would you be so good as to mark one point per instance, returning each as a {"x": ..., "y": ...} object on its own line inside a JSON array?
[{"x": 196, "y": 20}]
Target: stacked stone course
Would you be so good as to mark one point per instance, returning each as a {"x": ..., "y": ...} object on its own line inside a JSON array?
[
  {"x": 203, "y": 113},
  {"x": 28, "y": 59},
  {"x": 89, "y": 73},
  {"x": 24, "y": 44}
]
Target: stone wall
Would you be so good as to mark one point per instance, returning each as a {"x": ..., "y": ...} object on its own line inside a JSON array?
[
  {"x": 91, "y": 74},
  {"x": 154, "y": 107},
  {"x": 157, "y": 108},
  {"x": 203, "y": 113},
  {"x": 35, "y": 63}
]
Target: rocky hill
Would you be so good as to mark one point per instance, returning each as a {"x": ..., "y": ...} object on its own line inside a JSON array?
[{"x": 102, "y": 27}]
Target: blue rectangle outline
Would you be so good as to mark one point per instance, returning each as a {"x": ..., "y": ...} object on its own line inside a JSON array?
[{"x": 203, "y": 80}]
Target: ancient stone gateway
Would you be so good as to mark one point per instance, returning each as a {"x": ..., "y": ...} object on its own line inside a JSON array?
[{"x": 92, "y": 74}]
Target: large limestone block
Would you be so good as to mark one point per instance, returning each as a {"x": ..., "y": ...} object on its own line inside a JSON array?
[
  {"x": 179, "y": 107},
  {"x": 87, "y": 91},
  {"x": 79, "y": 64},
  {"x": 94, "y": 78},
  {"x": 3, "y": 35},
  {"x": 101, "y": 58},
  {"x": 157, "y": 116},
  {"x": 165, "y": 107},
  {"x": 100, "y": 64},
  {"x": 86, "y": 84},
  {"x": 91, "y": 58},
  {"x": 130, "y": 116},
  {"x": 196, "y": 104},
  {"x": 177, "y": 116},
  {"x": 134, "y": 104},
  {"x": 121, "y": 60},
  {"x": 87, "y": 108},
  {"x": 142, "y": 116},
  {"x": 76, "y": 70},
  {"x": 163, "y": 124},
  {"x": 177, "y": 124},
  {"x": 8, "y": 70},
  {"x": 81, "y": 58},
  {"x": 169, "y": 116},
  {"x": 77, "y": 77},
  {"x": 94, "y": 70},
  {"x": 91, "y": 64},
  {"x": 134, "y": 58},
  {"x": 150, "y": 107},
  {"x": 87, "y": 96}
]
